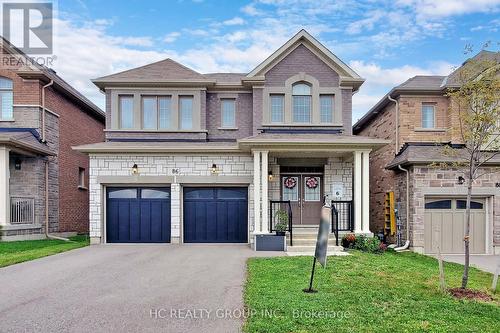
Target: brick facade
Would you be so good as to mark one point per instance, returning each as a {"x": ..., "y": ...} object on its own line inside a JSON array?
[
  {"x": 424, "y": 180},
  {"x": 67, "y": 124}
]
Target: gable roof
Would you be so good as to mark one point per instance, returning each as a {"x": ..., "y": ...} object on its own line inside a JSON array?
[
  {"x": 346, "y": 73},
  {"x": 35, "y": 70},
  {"x": 163, "y": 71},
  {"x": 423, "y": 84}
]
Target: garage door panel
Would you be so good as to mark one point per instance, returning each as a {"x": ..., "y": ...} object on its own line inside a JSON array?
[
  {"x": 221, "y": 221},
  {"x": 131, "y": 219},
  {"x": 215, "y": 215},
  {"x": 449, "y": 222}
]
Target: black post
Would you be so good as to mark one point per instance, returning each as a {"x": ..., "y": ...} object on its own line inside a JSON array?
[
  {"x": 310, "y": 289},
  {"x": 271, "y": 217},
  {"x": 336, "y": 227}
]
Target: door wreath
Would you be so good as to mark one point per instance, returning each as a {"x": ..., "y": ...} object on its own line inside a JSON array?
[
  {"x": 312, "y": 182},
  {"x": 290, "y": 182}
]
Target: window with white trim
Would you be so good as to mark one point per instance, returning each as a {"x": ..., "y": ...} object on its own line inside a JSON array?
[
  {"x": 326, "y": 108},
  {"x": 428, "y": 116},
  {"x": 126, "y": 111},
  {"x": 186, "y": 112},
  {"x": 155, "y": 112},
  {"x": 6, "y": 99},
  {"x": 301, "y": 100},
  {"x": 228, "y": 113},
  {"x": 277, "y": 108}
]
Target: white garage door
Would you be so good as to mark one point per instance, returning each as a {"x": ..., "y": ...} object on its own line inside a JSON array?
[{"x": 445, "y": 224}]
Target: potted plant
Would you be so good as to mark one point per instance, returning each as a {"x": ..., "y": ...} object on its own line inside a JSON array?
[{"x": 282, "y": 224}]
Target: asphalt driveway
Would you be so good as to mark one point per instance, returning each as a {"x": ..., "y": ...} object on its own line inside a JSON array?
[{"x": 127, "y": 288}]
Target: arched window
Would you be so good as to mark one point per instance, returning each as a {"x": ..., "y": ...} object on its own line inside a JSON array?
[
  {"x": 6, "y": 99},
  {"x": 301, "y": 99}
]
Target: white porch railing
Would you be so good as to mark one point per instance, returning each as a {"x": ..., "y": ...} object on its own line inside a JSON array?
[{"x": 22, "y": 210}]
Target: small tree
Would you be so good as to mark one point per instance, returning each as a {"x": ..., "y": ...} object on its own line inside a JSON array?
[{"x": 476, "y": 97}]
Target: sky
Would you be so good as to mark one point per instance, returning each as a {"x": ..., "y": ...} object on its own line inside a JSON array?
[{"x": 385, "y": 42}]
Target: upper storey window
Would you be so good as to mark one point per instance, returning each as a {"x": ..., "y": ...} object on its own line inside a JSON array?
[
  {"x": 156, "y": 112},
  {"x": 277, "y": 108},
  {"x": 326, "y": 108},
  {"x": 301, "y": 99},
  {"x": 228, "y": 113},
  {"x": 186, "y": 112},
  {"x": 428, "y": 116},
  {"x": 6, "y": 99},
  {"x": 126, "y": 111}
]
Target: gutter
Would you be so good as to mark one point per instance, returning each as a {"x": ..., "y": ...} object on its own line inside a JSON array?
[
  {"x": 43, "y": 109},
  {"x": 397, "y": 122}
]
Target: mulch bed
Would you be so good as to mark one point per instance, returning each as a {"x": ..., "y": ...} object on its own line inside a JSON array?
[{"x": 470, "y": 294}]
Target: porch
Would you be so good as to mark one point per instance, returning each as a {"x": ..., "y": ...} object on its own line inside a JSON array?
[
  {"x": 297, "y": 173},
  {"x": 22, "y": 184}
]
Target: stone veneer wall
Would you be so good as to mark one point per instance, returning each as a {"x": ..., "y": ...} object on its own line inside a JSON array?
[
  {"x": 162, "y": 165},
  {"x": 425, "y": 177}
]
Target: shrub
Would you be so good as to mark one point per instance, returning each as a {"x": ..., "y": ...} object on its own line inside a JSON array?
[
  {"x": 368, "y": 244},
  {"x": 348, "y": 240}
]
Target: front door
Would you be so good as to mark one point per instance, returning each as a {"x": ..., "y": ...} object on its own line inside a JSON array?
[{"x": 305, "y": 192}]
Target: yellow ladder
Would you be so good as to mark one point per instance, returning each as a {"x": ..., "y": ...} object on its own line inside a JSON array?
[{"x": 390, "y": 216}]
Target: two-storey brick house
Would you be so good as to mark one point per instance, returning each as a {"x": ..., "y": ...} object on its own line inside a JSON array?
[
  {"x": 418, "y": 119},
  {"x": 41, "y": 178},
  {"x": 193, "y": 157}
]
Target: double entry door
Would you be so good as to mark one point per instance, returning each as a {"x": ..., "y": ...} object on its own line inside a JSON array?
[{"x": 305, "y": 192}]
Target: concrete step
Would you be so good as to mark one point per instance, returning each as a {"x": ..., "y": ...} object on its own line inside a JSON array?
[
  {"x": 311, "y": 248},
  {"x": 308, "y": 236},
  {"x": 308, "y": 241}
]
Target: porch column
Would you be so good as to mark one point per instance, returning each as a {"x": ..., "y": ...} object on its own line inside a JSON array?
[
  {"x": 366, "y": 192},
  {"x": 265, "y": 203},
  {"x": 256, "y": 192},
  {"x": 358, "y": 205},
  {"x": 4, "y": 186}
]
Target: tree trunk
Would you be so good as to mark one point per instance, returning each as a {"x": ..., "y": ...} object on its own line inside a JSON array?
[{"x": 465, "y": 277}]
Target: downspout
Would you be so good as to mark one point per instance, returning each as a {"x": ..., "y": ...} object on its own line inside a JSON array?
[
  {"x": 397, "y": 122},
  {"x": 47, "y": 234},
  {"x": 43, "y": 108},
  {"x": 407, "y": 243}
]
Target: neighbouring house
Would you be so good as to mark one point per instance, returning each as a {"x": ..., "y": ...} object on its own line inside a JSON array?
[
  {"x": 417, "y": 118},
  {"x": 43, "y": 182},
  {"x": 205, "y": 158}
]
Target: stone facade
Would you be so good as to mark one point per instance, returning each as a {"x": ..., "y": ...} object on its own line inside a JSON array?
[{"x": 192, "y": 169}]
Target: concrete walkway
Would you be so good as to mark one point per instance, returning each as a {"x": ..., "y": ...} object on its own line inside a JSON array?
[
  {"x": 127, "y": 288},
  {"x": 487, "y": 263}
]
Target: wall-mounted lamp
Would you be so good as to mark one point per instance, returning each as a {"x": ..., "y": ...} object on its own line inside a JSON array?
[
  {"x": 270, "y": 176},
  {"x": 214, "y": 169},
  {"x": 17, "y": 164},
  {"x": 460, "y": 180},
  {"x": 135, "y": 169}
]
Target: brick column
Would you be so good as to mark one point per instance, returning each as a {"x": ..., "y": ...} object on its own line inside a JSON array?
[{"x": 4, "y": 186}]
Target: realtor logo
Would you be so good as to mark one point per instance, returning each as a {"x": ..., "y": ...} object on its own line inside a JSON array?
[{"x": 28, "y": 26}]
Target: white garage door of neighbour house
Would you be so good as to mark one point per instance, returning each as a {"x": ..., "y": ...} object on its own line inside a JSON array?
[{"x": 444, "y": 223}]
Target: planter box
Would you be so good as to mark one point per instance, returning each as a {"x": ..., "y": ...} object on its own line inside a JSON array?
[{"x": 270, "y": 242}]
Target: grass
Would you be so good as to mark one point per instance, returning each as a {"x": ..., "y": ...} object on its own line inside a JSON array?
[
  {"x": 393, "y": 292},
  {"x": 16, "y": 252}
]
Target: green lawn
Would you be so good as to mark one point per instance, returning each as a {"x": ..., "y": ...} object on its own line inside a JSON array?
[
  {"x": 393, "y": 292},
  {"x": 16, "y": 252}
]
